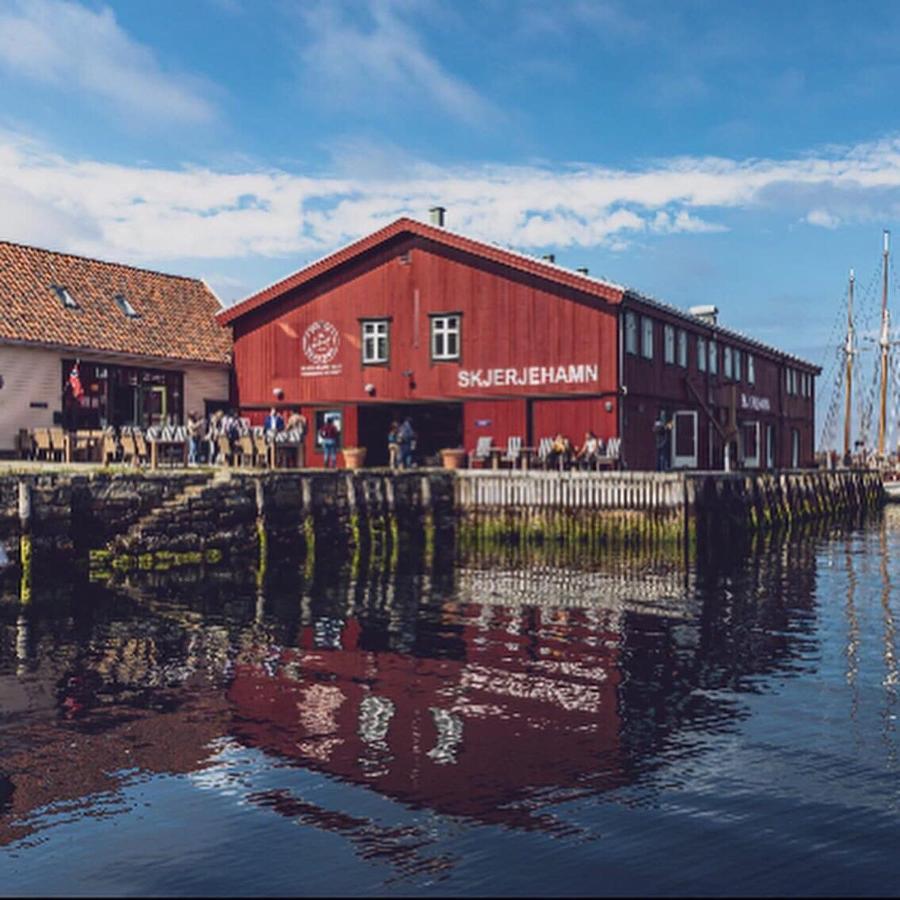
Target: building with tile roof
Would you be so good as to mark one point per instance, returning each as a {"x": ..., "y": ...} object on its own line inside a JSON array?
[{"x": 146, "y": 346}]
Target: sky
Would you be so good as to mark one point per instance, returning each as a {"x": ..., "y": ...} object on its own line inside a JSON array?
[{"x": 741, "y": 154}]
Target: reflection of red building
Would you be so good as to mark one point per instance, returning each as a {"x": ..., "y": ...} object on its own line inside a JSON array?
[
  {"x": 473, "y": 340},
  {"x": 485, "y": 736}
]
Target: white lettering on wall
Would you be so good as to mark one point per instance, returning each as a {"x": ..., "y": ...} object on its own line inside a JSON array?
[
  {"x": 530, "y": 376},
  {"x": 758, "y": 404}
]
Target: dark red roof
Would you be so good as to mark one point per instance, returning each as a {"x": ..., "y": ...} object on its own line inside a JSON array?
[
  {"x": 607, "y": 291},
  {"x": 176, "y": 315}
]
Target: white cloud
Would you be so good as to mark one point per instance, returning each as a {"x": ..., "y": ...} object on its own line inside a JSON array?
[
  {"x": 139, "y": 214},
  {"x": 349, "y": 61},
  {"x": 822, "y": 218},
  {"x": 68, "y": 46}
]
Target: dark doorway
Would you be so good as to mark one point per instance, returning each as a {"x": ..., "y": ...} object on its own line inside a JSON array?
[{"x": 437, "y": 425}]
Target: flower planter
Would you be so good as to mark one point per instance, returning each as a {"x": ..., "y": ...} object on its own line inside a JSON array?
[
  {"x": 354, "y": 457},
  {"x": 453, "y": 459}
]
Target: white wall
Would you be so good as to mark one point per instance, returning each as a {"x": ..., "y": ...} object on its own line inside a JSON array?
[
  {"x": 29, "y": 376},
  {"x": 34, "y": 375}
]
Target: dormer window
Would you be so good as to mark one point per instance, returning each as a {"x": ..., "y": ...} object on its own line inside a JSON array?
[
  {"x": 126, "y": 307},
  {"x": 67, "y": 300}
]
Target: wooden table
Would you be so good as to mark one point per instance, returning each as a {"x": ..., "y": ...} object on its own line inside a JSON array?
[
  {"x": 82, "y": 440},
  {"x": 156, "y": 443}
]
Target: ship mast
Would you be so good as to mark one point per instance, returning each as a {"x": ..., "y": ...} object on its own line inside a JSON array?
[
  {"x": 848, "y": 408},
  {"x": 885, "y": 344}
]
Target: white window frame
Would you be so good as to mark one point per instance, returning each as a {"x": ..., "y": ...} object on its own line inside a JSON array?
[
  {"x": 701, "y": 353},
  {"x": 737, "y": 364},
  {"x": 669, "y": 344},
  {"x": 713, "y": 358},
  {"x": 631, "y": 333},
  {"x": 445, "y": 327},
  {"x": 751, "y": 369},
  {"x": 682, "y": 347},
  {"x": 727, "y": 363},
  {"x": 646, "y": 337},
  {"x": 374, "y": 331}
]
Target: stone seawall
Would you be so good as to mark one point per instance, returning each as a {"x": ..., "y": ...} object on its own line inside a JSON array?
[{"x": 105, "y": 514}]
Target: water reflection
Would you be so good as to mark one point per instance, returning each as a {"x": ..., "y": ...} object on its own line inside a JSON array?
[{"x": 495, "y": 691}]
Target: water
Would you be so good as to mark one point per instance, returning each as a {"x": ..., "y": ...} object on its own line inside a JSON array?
[{"x": 501, "y": 726}]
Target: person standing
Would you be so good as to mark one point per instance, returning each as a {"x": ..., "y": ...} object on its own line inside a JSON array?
[
  {"x": 393, "y": 442},
  {"x": 662, "y": 433},
  {"x": 297, "y": 423},
  {"x": 406, "y": 437},
  {"x": 328, "y": 434},
  {"x": 274, "y": 421},
  {"x": 195, "y": 434}
]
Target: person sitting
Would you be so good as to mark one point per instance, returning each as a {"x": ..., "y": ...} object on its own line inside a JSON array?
[
  {"x": 560, "y": 451},
  {"x": 589, "y": 452}
]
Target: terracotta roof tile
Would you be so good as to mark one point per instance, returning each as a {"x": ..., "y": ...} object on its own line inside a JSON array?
[{"x": 176, "y": 314}]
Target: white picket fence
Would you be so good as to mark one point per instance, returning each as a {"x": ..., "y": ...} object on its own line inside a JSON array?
[{"x": 490, "y": 489}]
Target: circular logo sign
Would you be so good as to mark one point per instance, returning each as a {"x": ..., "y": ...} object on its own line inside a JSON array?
[{"x": 321, "y": 342}]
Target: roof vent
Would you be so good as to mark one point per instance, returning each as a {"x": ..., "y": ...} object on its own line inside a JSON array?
[
  {"x": 582, "y": 270},
  {"x": 708, "y": 313},
  {"x": 549, "y": 257},
  {"x": 437, "y": 214}
]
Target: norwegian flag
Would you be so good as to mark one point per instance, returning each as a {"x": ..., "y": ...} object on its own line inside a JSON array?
[{"x": 75, "y": 382}]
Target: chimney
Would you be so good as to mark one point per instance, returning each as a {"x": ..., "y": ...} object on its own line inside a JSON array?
[
  {"x": 708, "y": 314},
  {"x": 549, "y": 257},
  {"x": 582, "y": 270},
  {"x": 437, "y": 214}
]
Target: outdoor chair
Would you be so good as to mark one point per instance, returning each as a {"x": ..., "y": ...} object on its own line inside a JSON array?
[
  {"x": 129, "y": 447},
  {"x": 260, "y": 447},
  {"x": 109, "y": 447},
  {"x": 43, "y": 448},
  {"x": 482, "y": 452},
  {"x": 225, "y": 454},
  {"x": 244, "y": 450},
  {"x": 544, "y": 447},
  {"x": 513, "y": 451},
  {"x": 58, "y": 443},
  {"x": 142, "y": 451}
]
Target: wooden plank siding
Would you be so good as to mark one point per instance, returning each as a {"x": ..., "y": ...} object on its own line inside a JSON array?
[
  {"x": 509, "y": 321},
  {"x": 519, "y": 316}
]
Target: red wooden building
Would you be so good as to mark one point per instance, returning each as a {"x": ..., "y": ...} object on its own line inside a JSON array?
[{"x": 475, "y": 340}]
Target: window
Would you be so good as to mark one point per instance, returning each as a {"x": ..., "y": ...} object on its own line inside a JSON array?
[
  {"x": 646, "y": 337},
  {"x": 445, "y": 336},
  {"x": 713, "y": 358},
  {"x": 727, "y": 363},
  {"x": 669, "y": 344},
  {"x": 67, "y": 300},
  {"x": 791, "y": 381},
  {"x": 701, "y": 354},
  {"x": 375, "y": 341},
  {"x": 126, "y": 307},
  {"x": 751, "y": 369},
  {"x": 682, "y": 348},
  {"x": 737, "y": 365},
  {"x": 631, "y": 335}
]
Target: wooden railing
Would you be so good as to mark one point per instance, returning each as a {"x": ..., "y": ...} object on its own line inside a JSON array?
[{"x": 570, "y": 490}]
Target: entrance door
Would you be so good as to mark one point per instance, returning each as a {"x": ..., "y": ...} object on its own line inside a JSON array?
[
  {"x": 684, "y": 440},
  {"x": 155, "y": 405}
]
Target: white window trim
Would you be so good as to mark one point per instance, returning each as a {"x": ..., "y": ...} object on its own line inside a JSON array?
[
  {"x": 681, "y": 348},
  {"x": 376, "y": 328},
  {"x": 646, "y": 332},
  {"x": 751, "y": 369},
  {"x": 669, "y": 344},
  {"x": 441, "y": 329},
  {"x": 713, "y": 358},
  {"x": 631, "y": 333},
  {"x": 701, "y": 354}
]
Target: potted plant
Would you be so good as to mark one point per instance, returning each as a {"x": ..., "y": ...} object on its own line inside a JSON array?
[
  {"x": 453, "y": 457},
  {"x": 354, "y": 457}
]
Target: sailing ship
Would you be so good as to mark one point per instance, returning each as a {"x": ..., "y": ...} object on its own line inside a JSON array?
[{"x": 883, "y": 388}]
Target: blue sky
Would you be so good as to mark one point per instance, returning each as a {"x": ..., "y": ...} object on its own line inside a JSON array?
[{"x": 704, "y": 152}]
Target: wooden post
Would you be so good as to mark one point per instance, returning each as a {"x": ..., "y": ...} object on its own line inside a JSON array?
[{"x": 25, "y": 546}]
